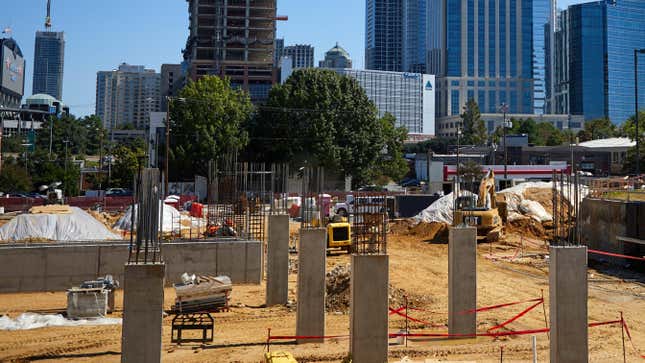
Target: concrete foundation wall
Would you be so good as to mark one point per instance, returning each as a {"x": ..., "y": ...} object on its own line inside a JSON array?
[
  {"x": 462, "y": 280},
  {"x": 604, "y": 221},
  {"x": 59, "y": 267},
  {"x": 368, "y": 342},
  {"x": 568, "y": 304},
  {"x": 312, "y": 259},
  {"x": 142, "y": 313},
  {"x": 277, "y": 290}
]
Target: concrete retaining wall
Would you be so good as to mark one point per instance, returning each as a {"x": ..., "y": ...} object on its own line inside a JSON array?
[
  {"x": 59, "y": 267},
  {"x": 603, "y": 221}
]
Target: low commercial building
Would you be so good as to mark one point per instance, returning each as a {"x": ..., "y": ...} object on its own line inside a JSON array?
[
  {"x": 47, "y": 103},
  {"x": 616, "y": 146}
]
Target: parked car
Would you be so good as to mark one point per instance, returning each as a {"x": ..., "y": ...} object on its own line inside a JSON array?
[{"x": 118, "y": 192}]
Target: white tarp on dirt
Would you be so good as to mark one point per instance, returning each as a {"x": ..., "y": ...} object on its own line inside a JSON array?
[
  {"x": 171, "y": 219},
  {"x": 28, "y": 321},
  {"x": 75, "y": 226},
  {"x": 517, "y": 208},
  {"x": 440, "y": 210}
]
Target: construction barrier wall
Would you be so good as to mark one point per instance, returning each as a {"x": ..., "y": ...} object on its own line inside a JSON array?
[
  {"x": 605, "y": 222},
  {"x": 61, "y": 266}
]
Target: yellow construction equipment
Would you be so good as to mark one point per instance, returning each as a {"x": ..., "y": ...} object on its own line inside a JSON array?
[
  {"x": 339, "y": 234},
  {"x": 482, "y": 213}
]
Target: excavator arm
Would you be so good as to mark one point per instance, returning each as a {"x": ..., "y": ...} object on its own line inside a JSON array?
[{"x": 487, "y": 188}]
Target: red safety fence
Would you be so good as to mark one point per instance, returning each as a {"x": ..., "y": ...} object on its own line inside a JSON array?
[
  {"x": 407, "y": 317},
  {"x": 596, "y": 252},
  {"x": 521, "y": 314},
  {"x": 629, "y": 335}
]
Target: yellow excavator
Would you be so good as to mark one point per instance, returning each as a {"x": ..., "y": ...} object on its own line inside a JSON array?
[{"x": 481, "y": 211}]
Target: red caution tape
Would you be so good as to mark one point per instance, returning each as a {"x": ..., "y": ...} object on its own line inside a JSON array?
[
  {"x": 522, "y": 313},
  {"x": 303, "y": 337},
  {"x": 493, "y": 307},
  {"x": 631, "y": 341},
  {"x": 398, "y": 312},
  {"x": 616, "y": 255}
]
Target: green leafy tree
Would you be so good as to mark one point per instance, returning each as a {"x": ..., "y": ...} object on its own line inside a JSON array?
[
  {"x": 549, "y": 135},
  {"x": 438, "y": 145},
  {"x": 324, "y": 118},
  {"x": 128, "y": 159},
  {"x": 597, "y": 129},
  {"x": 628, "y": 129},
  {"x": 14, "y": 178},
  {"x": 391, "y": 162},
  {"x": 210, "y": 119},
  {"x": 474, "y": 131}
]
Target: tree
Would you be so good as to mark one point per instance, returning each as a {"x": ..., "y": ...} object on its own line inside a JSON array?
[
  {"x": 470, "y": 172},
  {"x": 438, "y": 145},
  {"x": 597, "y": 129},
  {"x": 14, "y": 178},
  {"x": 391, "y": 162},
  {"x": 210, "y": 119},
  {"x": 628, "y": 129},
  {"x": 474, "y": 131},
  {"x": 549, "y": 135},
  {"x": 128, "y": 160},
  {"x": 324, "y": 118}
]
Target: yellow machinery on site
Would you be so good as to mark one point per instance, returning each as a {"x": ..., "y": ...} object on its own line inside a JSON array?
[
  {"x": 482, "y": 213},
  {"x": 339, "y": 233}
]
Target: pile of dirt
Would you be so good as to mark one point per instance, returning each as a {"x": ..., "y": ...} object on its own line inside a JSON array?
[
  {"x": 338, "y": 290},
  {"x": 527, "y": 227},
  {"x": 436, "y": 232}
]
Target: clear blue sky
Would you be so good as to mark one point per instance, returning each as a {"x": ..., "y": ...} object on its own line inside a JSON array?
[{"x": 101, "y": 34}]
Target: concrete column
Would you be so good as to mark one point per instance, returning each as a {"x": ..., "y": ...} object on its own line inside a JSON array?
[
  {"x": 568, "y": 303},
  {"x": 142, "y": 313},
  {"x": 462, "y": 280},
  {"x": 368, "y": 317},
  {"x": 312, "y": 259},
  {"x": 278, "y": 260}
]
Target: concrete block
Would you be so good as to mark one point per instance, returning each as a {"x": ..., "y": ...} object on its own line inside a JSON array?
[
  {"x": 253, "y": 269},
  {"x": 86, "y": 303},
  {"x": 568, "y": 304},
  {"x": 277, "y": 292},
  {"x": 462, "y": 280},
  {"x": 142, "y": 313},
  {"x": 312, "y": 259},
  {"x": 368, "y": 317},
  {"x": 231, "y": 261}
]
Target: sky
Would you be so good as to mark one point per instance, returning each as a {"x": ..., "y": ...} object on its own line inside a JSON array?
[{"x": 100, "y": 35}]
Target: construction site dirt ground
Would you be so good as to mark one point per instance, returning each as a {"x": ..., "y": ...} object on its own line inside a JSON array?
[{"x": 417, "y": 267}]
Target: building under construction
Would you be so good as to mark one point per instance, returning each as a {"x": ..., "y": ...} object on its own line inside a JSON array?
[{"x": 234, "y": 39}]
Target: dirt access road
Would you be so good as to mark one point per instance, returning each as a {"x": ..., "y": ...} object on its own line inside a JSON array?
[{"x": 417, "y": 268}]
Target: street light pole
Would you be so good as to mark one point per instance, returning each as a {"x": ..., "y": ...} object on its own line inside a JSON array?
[
  {"x": 638, "y": 151},
  {"x": 166, "y": 168},
  {"x": 504, "y": 108}
]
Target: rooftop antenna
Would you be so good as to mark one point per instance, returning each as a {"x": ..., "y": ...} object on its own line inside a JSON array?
[{"x": 48, "y": 19}]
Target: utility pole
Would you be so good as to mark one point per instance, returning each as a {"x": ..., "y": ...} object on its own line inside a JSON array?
[
  {"x": 100, "y": 158},
  {"x": 66, "y": 142}
]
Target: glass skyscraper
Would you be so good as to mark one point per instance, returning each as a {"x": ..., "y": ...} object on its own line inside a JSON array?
[
  {"x": 414, "y": 36},
  {"x": 49, "y": 61},
  {"x": 482, "y": 50},
  {"x": 541, "y": 21},
  {"x": 602, "y": 39},
  {"x": 383, "y": 35}
]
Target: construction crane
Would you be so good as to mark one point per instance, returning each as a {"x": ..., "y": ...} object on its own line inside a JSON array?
[{"x": 48, "y": 19}]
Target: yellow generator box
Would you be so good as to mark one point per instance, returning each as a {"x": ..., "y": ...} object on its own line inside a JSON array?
[{"x": 279, "y": 357}]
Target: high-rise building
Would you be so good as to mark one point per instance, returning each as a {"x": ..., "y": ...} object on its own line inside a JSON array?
[
  {"x": 233, "y": 39},
  {"x": 409, "y": 97},
  {"x": 12, "y": 73},
  {"x": 602, "y": 38},
  {"x": 557, "y": 80},
  {"x": 172, "y": 81},
  {"x": 301, "y": 54},
  {"x": 336, "y": 57},
  {"x": 126, "y": 96},
  {"x": 49, "y": 62},
  {"x": 482, "y": 50},
  {"x": 277, "y": 51},
  {"x": 541, "y": 23},
  {"x": 414, "y": 32},
  {"x": 384, "y": 35}
]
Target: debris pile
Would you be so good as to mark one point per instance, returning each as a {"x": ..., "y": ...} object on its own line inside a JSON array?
[{"x": 338, "y": 291}]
